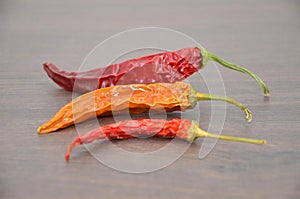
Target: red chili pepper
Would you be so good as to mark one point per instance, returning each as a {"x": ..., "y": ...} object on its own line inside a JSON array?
[
  {"x": 179, "y": 128},
  {"x": 167, "y": 67}
]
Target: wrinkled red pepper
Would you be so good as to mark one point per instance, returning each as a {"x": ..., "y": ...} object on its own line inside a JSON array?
[
  {"x": 179, "y": 128},
  {"x": 167, "y": 67}
]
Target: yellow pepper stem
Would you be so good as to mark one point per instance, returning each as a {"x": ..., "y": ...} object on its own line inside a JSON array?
[
  {"x": 201, "y": 133},
  {"x": 203, "y": 96}
]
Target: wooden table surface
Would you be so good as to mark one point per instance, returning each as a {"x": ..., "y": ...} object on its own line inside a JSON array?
[{"x": 264, "y": 36}]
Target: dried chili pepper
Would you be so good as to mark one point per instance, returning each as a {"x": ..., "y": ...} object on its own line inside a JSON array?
[
  {"x": 179, "y": 128},
  {"x": 167, "y": 67},
  {"x": 139, "y": 98}
]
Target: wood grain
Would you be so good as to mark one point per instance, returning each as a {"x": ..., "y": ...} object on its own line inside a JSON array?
[{"x": 263, "y": 36}]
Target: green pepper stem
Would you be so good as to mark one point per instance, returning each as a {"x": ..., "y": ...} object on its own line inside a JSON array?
[
  {"x": 203, "y": 96},
  {"x": 241, "y": 69},
  {"x": 201, "y": 133}
]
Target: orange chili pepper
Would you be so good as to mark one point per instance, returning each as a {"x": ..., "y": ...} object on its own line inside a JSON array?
[{"x": 139, "y": 98}]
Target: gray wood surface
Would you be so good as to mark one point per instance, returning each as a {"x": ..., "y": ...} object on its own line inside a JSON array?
[{"x": 262, "y": 35}]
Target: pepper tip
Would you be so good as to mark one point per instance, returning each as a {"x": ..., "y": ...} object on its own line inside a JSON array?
[
  {"x": 42, "y": 130},
  {"x": 67, "y": 157}
]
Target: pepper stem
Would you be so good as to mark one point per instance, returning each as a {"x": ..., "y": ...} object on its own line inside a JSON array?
[
  {"x": 203, "y": 96},
  {"x": 241, "y": 69},
  {"x": 201, "y": 133}
]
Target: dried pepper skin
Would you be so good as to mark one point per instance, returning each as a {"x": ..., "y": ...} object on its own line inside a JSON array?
[
  {"x": 179, "y": 128},
  {"x": 139, "y": 128},
  {"x": 134, "y": 129},
  {"x": 138, "y": 98},
  {"x": 166, "y": 67}
]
